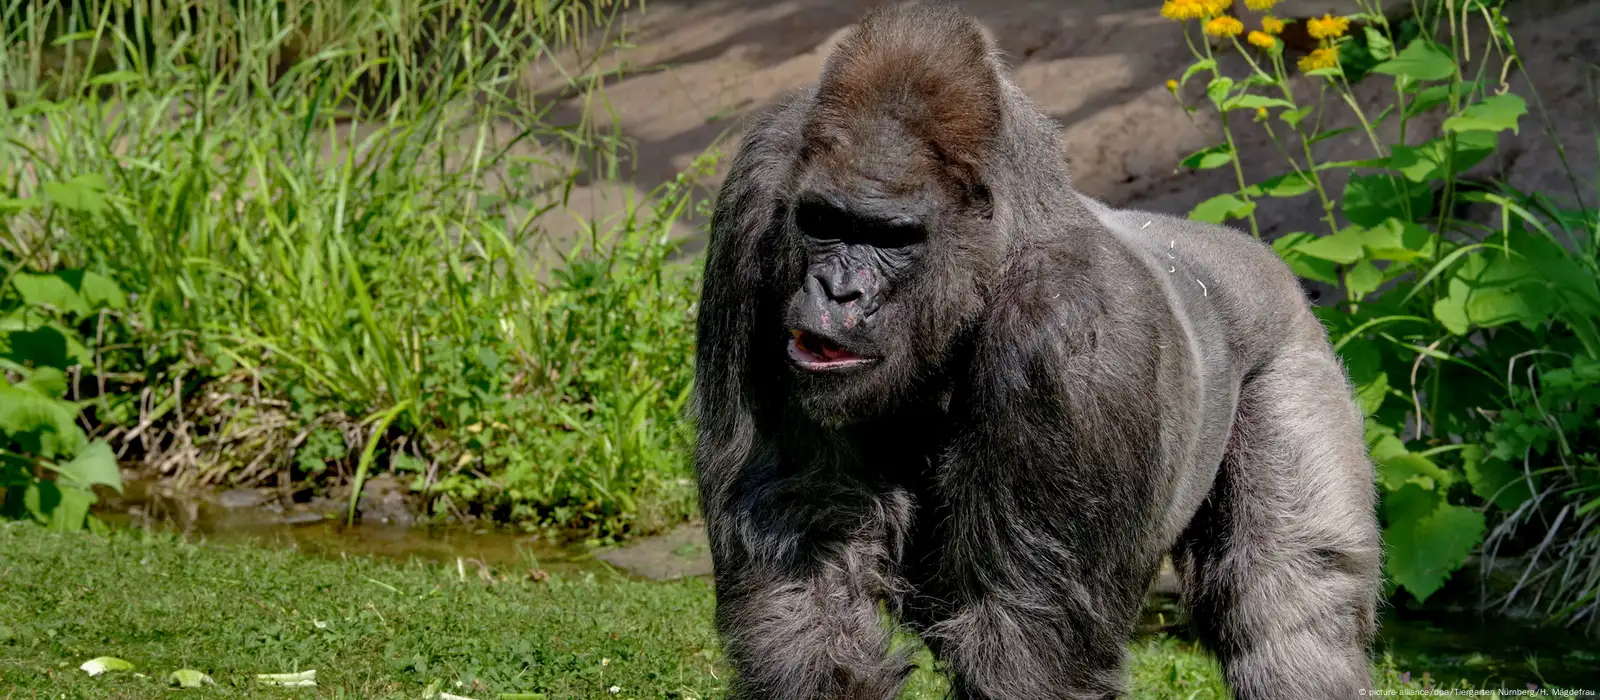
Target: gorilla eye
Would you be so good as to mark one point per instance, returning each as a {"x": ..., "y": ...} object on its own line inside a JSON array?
[{"x": 823, "y": 221}]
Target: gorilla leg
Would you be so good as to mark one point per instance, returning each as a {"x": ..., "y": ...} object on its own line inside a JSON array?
[{"x": 1281, "y": 565}]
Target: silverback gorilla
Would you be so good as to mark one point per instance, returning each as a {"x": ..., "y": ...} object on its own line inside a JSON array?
[{"x": 936, "y": 382}]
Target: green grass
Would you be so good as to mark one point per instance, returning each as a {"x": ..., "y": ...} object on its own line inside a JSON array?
[
  {"x": 331, "y": 211},
  {"x": 380, "y": 630}
]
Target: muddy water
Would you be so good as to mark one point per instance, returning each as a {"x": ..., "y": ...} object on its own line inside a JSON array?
[
  {"x": 1447, "y": 644},
  {"x": 259, "y": 517}
]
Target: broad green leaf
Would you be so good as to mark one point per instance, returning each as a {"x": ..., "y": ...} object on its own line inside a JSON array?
[
  {"x": 1206, "y": 159},
  {"x": 1422, "y": 555},
  {"x": 1343, "y": 247},
  {"x": 1495, "y": 481},
  {"x": 1495, "y": 114},
  {"x": 84, "y": 193},
  {"x": 57, "y": 506},
  {"x": 102, "y": 664},
  {"x": 47, "y": 381},
  {"x": 1363, "y": 278},
  {"x": 50, "y": 290},
  {"x": 1434, "y": 160},
  {"x": 1304, "y": 266},
  {"x": 1398, "y": 240},
  {"x": 95, "y": 464},
  {"x": 1290, "y": 184},
  {"x": 1293, "y": 117},
  {"x": 1221, "y": 208},
  {"x": 1371, "y": 394},
  {"x": 39, "y": 424},
  {"x": 1411, "y": 468},
  {"x": 41, "y": 345},
  {"x": 1451, "y": 310},
  {"x": 1410, "y": 504},
  {"x": 1421, "y": 60},
  {"x": 1369, "y": 200}
]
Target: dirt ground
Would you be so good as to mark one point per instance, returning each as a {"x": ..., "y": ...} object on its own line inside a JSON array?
[{"x": 701, "y": 67}]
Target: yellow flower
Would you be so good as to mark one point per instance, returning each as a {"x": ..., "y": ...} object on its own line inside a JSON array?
[
  {"x": 1260, "y": 5},
  {"x": 1262, "y": 40},
  {"x": 1321, "y": 58},
  {"x": 1172, "y": 85},
  {"x": 1261, "y": 113},
  {"x": 1224, "y": 26},
  {"x": 1328, "y": 27},
  {"x": 1183, "y": 10},
  {"x": 1271, "y": 25}
]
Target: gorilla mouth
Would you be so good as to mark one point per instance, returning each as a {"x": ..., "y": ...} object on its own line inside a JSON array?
[{"x": 814, "y": 352}]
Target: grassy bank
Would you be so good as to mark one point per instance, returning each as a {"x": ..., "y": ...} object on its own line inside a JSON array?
[
  {"x": 343, "y": 244},
  {"x": 378, "y": 630}
]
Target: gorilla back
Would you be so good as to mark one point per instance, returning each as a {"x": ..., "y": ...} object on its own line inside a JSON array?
[{"x": 930, "y": 375}]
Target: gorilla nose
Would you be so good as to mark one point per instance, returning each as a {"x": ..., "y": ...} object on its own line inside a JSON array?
[{"x": 840, "y": 290}]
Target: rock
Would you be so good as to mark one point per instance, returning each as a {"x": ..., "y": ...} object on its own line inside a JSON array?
[
  {"x": 242, "y": 498},
  {"x": 683, "y": 552}
]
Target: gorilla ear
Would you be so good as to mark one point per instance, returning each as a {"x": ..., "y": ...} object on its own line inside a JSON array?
[{"x": 926, "y": 66}]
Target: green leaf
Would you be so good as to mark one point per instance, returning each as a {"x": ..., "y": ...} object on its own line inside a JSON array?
[
  {"x": 1494, "y": 114},
  {"x": 48, "y": 382},
  {"x": 84, "y": 193},
  {"x": 1423, "y": 554},
  {"x": 1378, "y": 45},
  {"x": 1363, "y": 279},
  {"x": 1395, "y": 471},
  {"x": 39, "y": 424},
  {"x": 1372, "y": 394},
  {"x": 189, "y": 678},
  {"x": 1201, "y": 65},
  {"x": 1290, "y": 184},
  {"x": 1249, "y": 101},
  {"x": 52, "y": 291},
  {"x": 1494, "y": 480},
  {"x": 1398, "y": 240},
  {"x": 95, "y": 464},
  {"x": 56, "y": 506},
  {"x": 1369, "y": 200},
  {"x": 1410, "y": 504},
  {"x": 1221, "y": 208},
  {"x": 1218, "y": 90},
  {"x": 1435, "y": 160},
  {"x": 1305, "y": 266},
  {"x": 102, "y": 664},
  {"x": 1293, "y": 117},
  {"x": 1421, "y": 60},
  {"x": 116, "y": 77},
  {"x": 1451, "y": 311},
  {"x": 1343, "y": 247},
  {"x": 1206, "y": 159}
]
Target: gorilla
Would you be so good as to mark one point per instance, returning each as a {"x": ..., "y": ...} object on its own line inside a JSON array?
[{"x": 937, "y": 386}]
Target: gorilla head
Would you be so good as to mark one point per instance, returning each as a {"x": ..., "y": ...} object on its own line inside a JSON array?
[{"x": 889, "y": 233}]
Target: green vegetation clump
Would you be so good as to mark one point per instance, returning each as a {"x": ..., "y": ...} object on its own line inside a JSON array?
[
  {"x": 334, "y": 223},
  {"x": 1467, "y": 312}
]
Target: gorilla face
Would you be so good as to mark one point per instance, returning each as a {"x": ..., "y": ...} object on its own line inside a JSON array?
[{"x": 880, "y": 231}]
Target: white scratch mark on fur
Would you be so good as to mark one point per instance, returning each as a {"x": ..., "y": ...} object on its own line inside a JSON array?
[
  {"x": 1147, "y": 224},
  {"x": 1205, "y": 292}
]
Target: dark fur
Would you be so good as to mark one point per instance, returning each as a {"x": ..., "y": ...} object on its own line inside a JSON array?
[{"x": 1065, "y": 393}]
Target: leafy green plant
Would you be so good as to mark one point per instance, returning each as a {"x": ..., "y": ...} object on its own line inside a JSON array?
[
  {"x": 48, "y": 466},
  {"x": 331, "y": 281},
  {"x": 1436, "y": 308}
]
